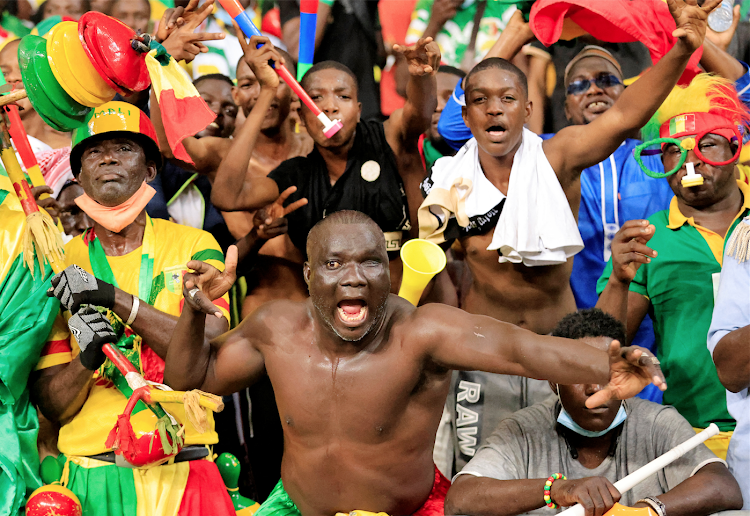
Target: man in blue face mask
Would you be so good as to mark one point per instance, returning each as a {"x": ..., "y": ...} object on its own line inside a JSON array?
[{"x": 584, "y": 451}]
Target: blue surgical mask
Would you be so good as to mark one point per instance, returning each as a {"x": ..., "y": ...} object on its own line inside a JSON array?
[{"x": 565, "y": 420}]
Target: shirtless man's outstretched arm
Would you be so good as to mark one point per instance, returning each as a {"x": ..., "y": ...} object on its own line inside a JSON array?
[
  {"x": 360, "y": 375},
  {"x": 447, "y": 336},
  {"x": 480, "y": 343},
  {"x": 234, "y": 189},
  {"x": 577, "y": 147}
]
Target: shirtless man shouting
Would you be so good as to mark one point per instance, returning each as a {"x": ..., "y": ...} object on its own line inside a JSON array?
[{"x": 361, "y": 375}]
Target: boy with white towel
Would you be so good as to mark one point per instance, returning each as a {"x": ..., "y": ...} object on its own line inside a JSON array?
[{"x": 511, "y": 199}]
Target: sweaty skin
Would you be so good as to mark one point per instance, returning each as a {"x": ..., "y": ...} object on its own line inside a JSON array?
[
  {"x": 360, "y": 375},
  {"x": 496, "y": 109}
]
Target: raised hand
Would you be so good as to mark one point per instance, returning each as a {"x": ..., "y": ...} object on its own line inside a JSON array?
[
  {"x": 206, "y": 283},
  {"x": 92, "y": 330},
  {"x": 182, "y": 42},
  {"x": 423, "y": 58},
  {"x": 259, "y": 59},
  {"x": 723, "y": 39},
  {"x": 597, "y": 495},
  {"x": 75, "y": 287},
  {"x": 630, "y": 370},
  {"x": 175, "y": 17},
  {"x": 629, "y": 249},
  {"x": 270, "y": 221},
  {"x": 691, "y": 20}
]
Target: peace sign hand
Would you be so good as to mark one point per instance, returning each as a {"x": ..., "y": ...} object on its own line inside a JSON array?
[
  {"x": 182, "y": 42},
  {"x": 270, "y": 221}
]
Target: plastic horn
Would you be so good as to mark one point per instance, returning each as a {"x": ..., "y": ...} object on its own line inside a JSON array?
[
  {"x": 238, "y": 13},
  {"x": 42, "y": 236},
  {"x": 21, "y": 139},
  {"x": 641, "y": 474},
  {"x": 422, "y": 260},
  {"x": 308, "y": 20}
]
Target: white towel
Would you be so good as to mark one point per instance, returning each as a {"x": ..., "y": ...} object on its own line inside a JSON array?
[{"x": 535, "y": 227}]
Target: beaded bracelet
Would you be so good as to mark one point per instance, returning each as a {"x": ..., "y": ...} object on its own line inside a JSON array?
[{"x": 548, "y": 487}]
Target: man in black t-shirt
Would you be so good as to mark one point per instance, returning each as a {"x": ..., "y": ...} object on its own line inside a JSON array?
[{"x": 359, "y": 168}]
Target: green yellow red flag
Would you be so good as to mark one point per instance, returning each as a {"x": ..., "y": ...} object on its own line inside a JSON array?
[{"x": 26, "y": 316}]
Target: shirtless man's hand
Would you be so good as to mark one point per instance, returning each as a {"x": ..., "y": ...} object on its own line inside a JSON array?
[
  {"x": 630, "y": 369},
  {"x": 206, "y": 283}
]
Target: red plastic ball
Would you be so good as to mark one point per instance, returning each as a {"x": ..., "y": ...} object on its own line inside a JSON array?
[{"x": 53, "y": 499}]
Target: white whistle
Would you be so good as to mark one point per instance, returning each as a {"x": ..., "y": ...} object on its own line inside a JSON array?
[{"x": 691, "y": 178}]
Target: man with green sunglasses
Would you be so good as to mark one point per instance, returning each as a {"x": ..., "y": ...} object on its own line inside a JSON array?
[{"x": 675, "y": 277}]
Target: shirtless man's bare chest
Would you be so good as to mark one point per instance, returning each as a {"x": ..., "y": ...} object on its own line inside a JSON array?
[{"x": 350, "y": 427}]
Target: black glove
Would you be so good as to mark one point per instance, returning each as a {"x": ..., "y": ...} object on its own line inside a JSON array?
[
  {"x": 75, "y": 287},
  {"x": 92, "y": 330}
]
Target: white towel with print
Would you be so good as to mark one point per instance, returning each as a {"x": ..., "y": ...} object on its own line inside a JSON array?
[{"x": 536, "y": 226}]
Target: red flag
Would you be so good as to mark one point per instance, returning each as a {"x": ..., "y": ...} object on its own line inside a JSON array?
[{"x": 614, "y": 21}]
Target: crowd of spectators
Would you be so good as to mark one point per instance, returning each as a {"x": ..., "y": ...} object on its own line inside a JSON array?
[{"x": 524, "y": 162}]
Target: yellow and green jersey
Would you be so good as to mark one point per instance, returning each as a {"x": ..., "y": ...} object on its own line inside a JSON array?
[{"x": 175, "y": 245}]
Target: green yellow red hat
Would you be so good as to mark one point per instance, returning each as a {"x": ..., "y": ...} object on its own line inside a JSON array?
[{"x": 114, "y": 120}]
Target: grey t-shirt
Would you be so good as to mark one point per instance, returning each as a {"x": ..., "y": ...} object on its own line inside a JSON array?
[
  {"x": 527, "y": 445},
  {"x": 478, "y": 401}
]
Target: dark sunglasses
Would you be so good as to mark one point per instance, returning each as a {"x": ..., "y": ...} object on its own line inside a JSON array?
[{"x": 580, "y": 86}]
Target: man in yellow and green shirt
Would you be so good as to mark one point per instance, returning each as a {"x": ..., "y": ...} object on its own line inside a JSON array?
[
  {"x": 675, "y": 277},
  {"x": 130, "y": 267}
]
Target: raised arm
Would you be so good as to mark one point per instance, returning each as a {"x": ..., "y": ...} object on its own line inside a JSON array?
[
  {"x": 227, "y": 363},
  {"x": 75, "y": 287},
  {"x": 234, "y": 189},
  {"x": 205, "y": 152},
  {"x": 515, "y": 35},
  {"x": 404, "y": 127},
  {"x": 183, "y": 43},
  {"x": 577, "y": 147},
  {"x": 718, "y": 61},
  {"x": 475, "y": 342}
]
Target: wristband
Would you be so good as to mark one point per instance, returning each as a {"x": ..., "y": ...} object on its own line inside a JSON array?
[
  {"x": 133, "y": 311},
  {"x": 657, "y": 505},
  {"x": 548, "y": 488}
]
